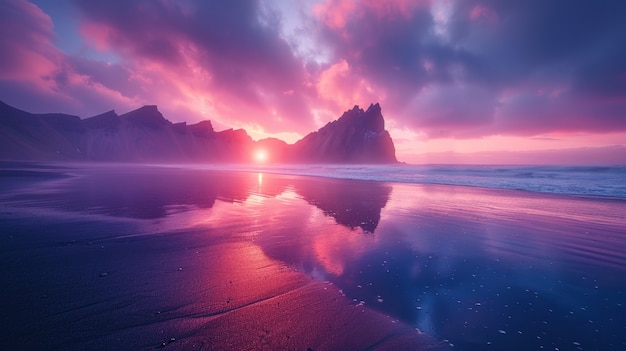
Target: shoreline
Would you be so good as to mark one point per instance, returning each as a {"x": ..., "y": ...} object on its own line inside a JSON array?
[
  {"x": 131, "y": 257},
  {"x": 329, "y": 171}
]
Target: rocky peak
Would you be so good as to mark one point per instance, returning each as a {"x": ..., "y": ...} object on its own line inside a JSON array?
[
  {"x": 10, "y": 110},
  {"x": 146, "y": 116},
  {"x": 235, "y": 136},
  {"x": 103, "y": 120},
  {"x": 358, "y": 136},
  {"x": 368, "y": 121},
  {"x": 202, "y": 129},
  {"x": 374, "y": 118}
]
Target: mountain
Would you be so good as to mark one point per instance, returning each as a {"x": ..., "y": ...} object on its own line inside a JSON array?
[
  {"x": 145, "y": 135},
  {"x": 356, "y": 137},
  {"x": 38, "y": 136}
]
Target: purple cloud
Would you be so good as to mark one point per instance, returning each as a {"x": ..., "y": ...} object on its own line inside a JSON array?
[
  {"x": 453, "y": 69},
  {"x": 225, "y": 48},
  {"x": 455, "y": 65}
]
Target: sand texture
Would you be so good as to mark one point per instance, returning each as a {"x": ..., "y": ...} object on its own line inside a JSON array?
[{"x": 141, "y": 258}]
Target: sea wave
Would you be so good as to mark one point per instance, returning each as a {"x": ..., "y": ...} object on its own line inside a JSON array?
[{"x": 574, "y": 180}]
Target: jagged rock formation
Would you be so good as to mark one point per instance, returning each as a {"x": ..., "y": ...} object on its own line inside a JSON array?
[
  {"x": 38, "y": 136},
  {"x": 357, "y": 137},
  {"x": 144, "y": 135},
  {"x": 140, "y": 135}
]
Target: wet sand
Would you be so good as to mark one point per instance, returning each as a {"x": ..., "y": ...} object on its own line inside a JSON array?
[
  {"x": 128, "y": 258},
  {"x": 183, "y": 290},
  {"x": 79, "y": 280}
]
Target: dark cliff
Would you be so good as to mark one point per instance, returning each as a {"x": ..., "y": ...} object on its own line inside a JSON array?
[
  {"x": 356, "y": 137},
  {"x": 145, "y": 135}
]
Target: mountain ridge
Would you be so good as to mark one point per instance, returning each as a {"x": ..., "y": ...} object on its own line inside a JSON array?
[{"x": 144, "y": 134}]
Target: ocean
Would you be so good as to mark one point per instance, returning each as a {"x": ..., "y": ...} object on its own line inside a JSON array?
[{"x": 606, "y": 181}]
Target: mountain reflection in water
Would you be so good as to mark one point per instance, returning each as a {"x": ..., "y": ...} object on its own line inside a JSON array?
[
  {"x": 477, "y": 267},
  {"x": 147, "y": 193}
]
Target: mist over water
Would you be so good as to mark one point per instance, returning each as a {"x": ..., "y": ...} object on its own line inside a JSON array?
[
  {"x": 475, "y": 266},
  {"x": 608, "y": 181}
]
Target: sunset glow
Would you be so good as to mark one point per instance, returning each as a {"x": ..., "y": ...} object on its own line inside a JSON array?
[
  {"x": 260, "y": 156},
  {"x": 451, "y": 76}
]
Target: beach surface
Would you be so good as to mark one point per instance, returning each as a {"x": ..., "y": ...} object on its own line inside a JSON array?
[{"x": 145, "y": 257}]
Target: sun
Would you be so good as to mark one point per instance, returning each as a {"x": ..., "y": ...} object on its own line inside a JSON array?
[{"x": 260, "y": 156}]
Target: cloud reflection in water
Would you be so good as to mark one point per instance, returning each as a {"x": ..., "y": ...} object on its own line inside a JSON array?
[{"x": 518, "y": 270}]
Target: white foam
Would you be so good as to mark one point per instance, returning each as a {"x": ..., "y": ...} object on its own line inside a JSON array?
[{"x": 592, "y": 181}]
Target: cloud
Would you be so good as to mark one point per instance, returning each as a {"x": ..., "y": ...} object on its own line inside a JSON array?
[
  {"x": 37, "y": 76},
  {"x": 26, "y": 48},
  {"x": 226, "y": 52},
  {"x": 441, "y": 68},
  {"x": 452, "y": 66},
  {"x": 341, "y": 86},
  {"x": 453, "y": 110}
]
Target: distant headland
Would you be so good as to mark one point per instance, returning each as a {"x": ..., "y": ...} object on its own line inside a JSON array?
[{"x": 144, "y": 135}]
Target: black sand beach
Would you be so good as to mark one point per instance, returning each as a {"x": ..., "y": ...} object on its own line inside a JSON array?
[{"x": 138, "y": 257}]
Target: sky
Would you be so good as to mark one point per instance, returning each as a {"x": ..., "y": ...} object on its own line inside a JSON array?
[{"x": 462, "y": 81}]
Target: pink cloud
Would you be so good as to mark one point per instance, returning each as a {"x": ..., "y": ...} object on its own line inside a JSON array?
[
  {"x": 39, "y": 71},
  {"x": 341, "y": 86},
  {"x": 232, "y": 63},
  {"x": 336, "y": 13},
  {"x": 27, "y": 52},
  {"x": 100, "y": 36},
  {"x": 235, "y": 73},
  {"x": 481, "y": 12}
]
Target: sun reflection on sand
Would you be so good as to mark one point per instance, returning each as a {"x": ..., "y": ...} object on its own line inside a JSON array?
[{"x": 231, "y": 245}]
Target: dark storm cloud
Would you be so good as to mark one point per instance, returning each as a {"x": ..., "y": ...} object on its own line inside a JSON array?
[
  {"x": 569, "y": 52},
  {"x": 442, "y": 68},
  {"x": 241, "y": 51}
]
